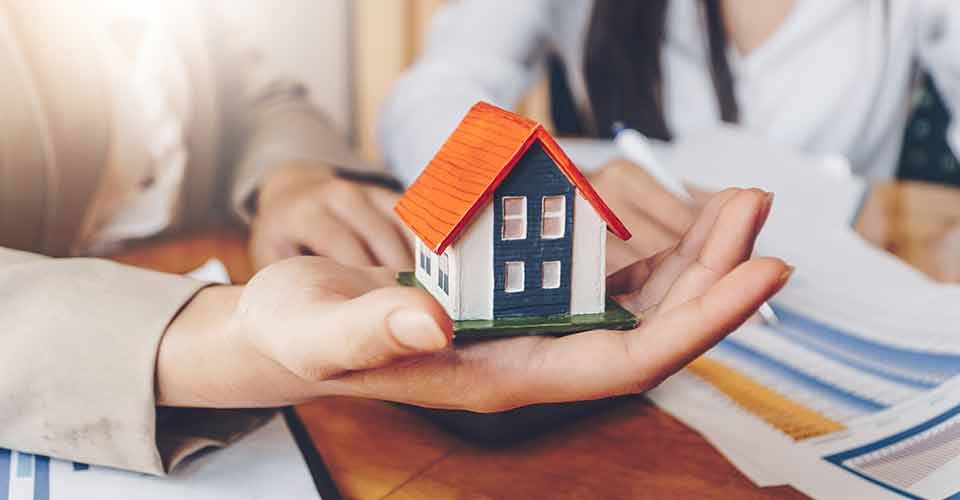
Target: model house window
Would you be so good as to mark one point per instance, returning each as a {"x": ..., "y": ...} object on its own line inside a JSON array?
[
  {"x": 425, "y": 261},
  {"x": 551, "y": 274},
  {"x": 513, "y": 281},
  {"x": 443, "y": 276},
  {"x": 554, "y": 217},
  {"x": 514, "y": 217}
]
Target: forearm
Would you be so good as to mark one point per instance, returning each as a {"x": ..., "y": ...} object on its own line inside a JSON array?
[
  {"x": 80, "y": 341},
  {"x": 478, "y": 50}
]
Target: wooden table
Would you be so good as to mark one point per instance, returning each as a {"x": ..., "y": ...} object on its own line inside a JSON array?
[{"x": 377, "y": 450}]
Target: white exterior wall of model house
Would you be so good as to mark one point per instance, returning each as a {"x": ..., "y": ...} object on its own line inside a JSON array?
[
  {"x": 476, "y": 280},
  {"x": 429, "y": 278},
  {"x": 470, "y": 266},
  {"x": 588, "y": 291}
]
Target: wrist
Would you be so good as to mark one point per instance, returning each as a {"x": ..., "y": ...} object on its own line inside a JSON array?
[
  {"x": 191, "y": 344},
  {"x": 290, "y": 177}
]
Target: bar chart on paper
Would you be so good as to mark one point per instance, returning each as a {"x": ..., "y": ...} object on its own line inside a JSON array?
[
  {"x": 264, "y": 464},
  {"x": 922, "y": 462},
  {"x": 24, "y": 476},
  {"x": 867, "y": 414},
  {"x": 808, "y": 379}
]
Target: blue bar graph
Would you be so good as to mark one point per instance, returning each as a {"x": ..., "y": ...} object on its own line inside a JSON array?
[
  {"x": 41, "y": 479},
  {"x": 24, "y": 464},
  {"x": 27, "y": 465},
  {"x": 4, "y": 474}
]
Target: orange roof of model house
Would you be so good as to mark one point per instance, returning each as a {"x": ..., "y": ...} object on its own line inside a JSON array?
[{"x": 466, "y": 171}]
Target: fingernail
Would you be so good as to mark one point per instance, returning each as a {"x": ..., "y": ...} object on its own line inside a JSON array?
[
  {"x": 416, "y": 330},
  {"x": 764, "y": 212},
  {"x": 787, "y": 273}
]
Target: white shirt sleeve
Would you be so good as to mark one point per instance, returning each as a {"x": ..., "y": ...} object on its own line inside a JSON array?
[
  {"x": 939, "y": 52},
  {"x": 476, "y": 50}
]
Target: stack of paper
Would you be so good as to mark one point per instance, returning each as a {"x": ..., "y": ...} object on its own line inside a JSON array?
[{"x": 855, "y": 392}]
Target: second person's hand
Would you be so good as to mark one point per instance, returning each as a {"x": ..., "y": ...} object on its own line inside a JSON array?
[
  {"x": 309, "y": 210},
  {"x": 656, "y": 217}
]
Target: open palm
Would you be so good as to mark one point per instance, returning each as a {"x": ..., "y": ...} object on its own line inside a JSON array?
[
  {"x": 689, "y": 297},
  {"x": 310, "y": 327}
]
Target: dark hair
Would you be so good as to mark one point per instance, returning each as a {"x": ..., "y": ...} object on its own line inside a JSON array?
[{"x": 623, "y": 65}]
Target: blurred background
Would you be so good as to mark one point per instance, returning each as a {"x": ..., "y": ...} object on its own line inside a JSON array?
[{"x": 357, "y": 48}]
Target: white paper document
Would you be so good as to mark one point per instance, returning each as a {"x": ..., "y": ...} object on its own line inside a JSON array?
[
  {"x": 213, "y": 271},
  {"x": 855, "y": 392}
]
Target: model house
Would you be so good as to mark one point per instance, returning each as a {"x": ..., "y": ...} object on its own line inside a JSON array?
[{"x": 506, "y": 225}]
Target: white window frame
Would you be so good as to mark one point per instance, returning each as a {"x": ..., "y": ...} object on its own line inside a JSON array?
[
  {"x": 561, "y": 214},
  {"x": 506, "y": 276},
  {"x": 543, "y": 275},
  {"x": 425, "y": 261},
  {"x": 505, "y": 218},
  {"x": 443, "y": 274}
]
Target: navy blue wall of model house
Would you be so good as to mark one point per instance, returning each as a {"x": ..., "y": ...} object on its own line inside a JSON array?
[{"x": 534, "y": 177}]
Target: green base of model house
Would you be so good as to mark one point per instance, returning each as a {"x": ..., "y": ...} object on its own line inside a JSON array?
[{"x": 614, "y": 318}]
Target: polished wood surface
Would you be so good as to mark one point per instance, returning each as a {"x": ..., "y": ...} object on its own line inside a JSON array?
[
  {"x": 378, "y": 450},
  {"x": 920, "y": 223}
]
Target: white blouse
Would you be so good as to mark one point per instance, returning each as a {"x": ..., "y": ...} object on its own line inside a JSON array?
[{"x": 835, "y": 78}]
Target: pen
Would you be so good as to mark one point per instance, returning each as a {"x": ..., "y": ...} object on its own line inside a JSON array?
[{"x": 636, "y": 148}]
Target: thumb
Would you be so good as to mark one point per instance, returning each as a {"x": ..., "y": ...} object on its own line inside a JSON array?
[{"x": 382, "y": 327}]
